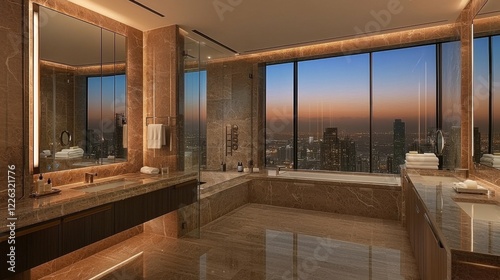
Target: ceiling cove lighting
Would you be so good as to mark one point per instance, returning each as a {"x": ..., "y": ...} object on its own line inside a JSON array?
[
  {"x": 36, "y": 92},
  {"x": 214, "y": 41},
  {"x": 147, "y": 8}
]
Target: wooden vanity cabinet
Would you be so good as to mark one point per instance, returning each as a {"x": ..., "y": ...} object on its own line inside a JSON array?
[
  {"x": 34, "y": 245},
  {"x": 87, "y": 227},
  {"x": 428, "y": 249}
]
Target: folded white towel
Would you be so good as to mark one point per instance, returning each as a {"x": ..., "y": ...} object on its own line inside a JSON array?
[
  {"x": 149, "y": 170},
  {"x": 69, "y": 153},
  {"x": 421, "y": 163},
  {"x": 421, "y": 166},
  {"x": 422, "y": 159},
  {"x": 155, "y": 136},
  {"x": 491, "y": 156}
]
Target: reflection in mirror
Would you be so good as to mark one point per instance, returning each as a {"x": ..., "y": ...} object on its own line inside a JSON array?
[
  {"x": 439, "y": 142},
  {"x": 82, "y": 93},
  {"x": 486, "y": 69}
]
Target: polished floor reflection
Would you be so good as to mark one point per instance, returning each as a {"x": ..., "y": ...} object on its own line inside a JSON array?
[{"x": 261, "y": 242}]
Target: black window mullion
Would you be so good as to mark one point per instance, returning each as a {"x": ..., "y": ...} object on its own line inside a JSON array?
[
  {"x": 490, "y": 92},
  {"x": 295, "y": 113},
  {"x": 371, "y": 112}
]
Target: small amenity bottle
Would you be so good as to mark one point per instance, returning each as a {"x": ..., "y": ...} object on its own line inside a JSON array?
[
  {"x": 48, "y": 186},
  {"x": 39, "y": 184},
  {"x": 240, "y": 166}
]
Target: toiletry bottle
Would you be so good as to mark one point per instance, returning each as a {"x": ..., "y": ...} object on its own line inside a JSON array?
[
  {"x": 240, "y": 166},
  {"x": 39, "y": 184},
  {"x": 223, "y": 166},
  {"x": 48, "y": 186},
  {"x": 250, "y": 166}
]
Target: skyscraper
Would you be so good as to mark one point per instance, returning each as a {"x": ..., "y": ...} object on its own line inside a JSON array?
[
  {"x": 399, "y": 145},
  {"x": 330, "y": 150}
]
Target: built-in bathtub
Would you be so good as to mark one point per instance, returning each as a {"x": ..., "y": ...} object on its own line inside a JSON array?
[
  {"x": 360, "y": 194},
  {"x": 358, "y": 178}
]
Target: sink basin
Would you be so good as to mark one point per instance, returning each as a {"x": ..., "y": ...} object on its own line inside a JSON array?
[
  {"x": 96, "y": 187},
  {"x": 481, "y": 211}
]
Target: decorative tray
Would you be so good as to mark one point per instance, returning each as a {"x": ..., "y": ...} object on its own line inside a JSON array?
[
  {"x": 459, "y": 188},
  {"x": 53, "y": 191}
]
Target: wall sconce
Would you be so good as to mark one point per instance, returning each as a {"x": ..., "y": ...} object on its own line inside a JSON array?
[{"x": 36, "y": 93}]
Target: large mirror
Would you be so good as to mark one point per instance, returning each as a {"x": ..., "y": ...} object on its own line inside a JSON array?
[
  {"x": 82, "y": 93},
  {"x": 486, "y": 82}
]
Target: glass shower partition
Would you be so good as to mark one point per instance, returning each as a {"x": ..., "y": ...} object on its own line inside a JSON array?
[{"x": 190, "y": 97}]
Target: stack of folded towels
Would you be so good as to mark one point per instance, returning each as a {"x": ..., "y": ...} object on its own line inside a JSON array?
[
  {"x": 73, "y": 152},
  {"x": 150, "y": 170},
  {"x": 422, "y": 161},
  {"x": 492, "y": 160}
]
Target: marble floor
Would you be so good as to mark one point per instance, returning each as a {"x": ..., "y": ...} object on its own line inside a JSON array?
[{"x": 261, "y": 242}]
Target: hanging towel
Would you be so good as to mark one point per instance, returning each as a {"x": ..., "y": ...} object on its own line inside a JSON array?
[
  {"x": 125, "y": 136},
  {"x": 155, "y": 136}
]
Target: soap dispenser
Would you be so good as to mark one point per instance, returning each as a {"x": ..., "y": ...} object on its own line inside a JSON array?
[
  {"x": 48, "y": 186},
  {"x": 240, "y": 166},
  {"x": 40, "y": 184}
]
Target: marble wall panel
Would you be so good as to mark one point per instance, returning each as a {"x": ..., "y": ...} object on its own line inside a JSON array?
[
  {"x": 160, "y": 92},
  {"x": 230, "y": 93},
  {"x": 12, "y": 88},
  {"x": 342, "y": 198}
]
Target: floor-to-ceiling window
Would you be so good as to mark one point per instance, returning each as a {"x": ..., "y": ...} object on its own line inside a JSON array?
[
  {"x": 404, "y": 105},
  {"x": 352, "y": 113},
  {"x": 333, "y": 113},
  {"x": 279, "y": 115}
]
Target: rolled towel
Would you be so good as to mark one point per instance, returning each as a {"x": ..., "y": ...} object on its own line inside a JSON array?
[{"x": 149, "y": 170}]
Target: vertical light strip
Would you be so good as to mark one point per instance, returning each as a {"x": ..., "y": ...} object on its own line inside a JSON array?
[
  {"x": 471, "y": 109},
  {"x": 36, "y": 92}
]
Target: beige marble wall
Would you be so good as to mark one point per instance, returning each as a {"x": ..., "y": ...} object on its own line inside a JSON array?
[
  {"x": 230, "y": 93},
  {"x": 134, "y": 70},
  {"x": 161, "y": 72},
  {"x": 12, "y": 88}
]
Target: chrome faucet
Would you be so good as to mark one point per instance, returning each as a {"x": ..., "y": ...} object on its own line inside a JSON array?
[{"x": 89, "y": 177}]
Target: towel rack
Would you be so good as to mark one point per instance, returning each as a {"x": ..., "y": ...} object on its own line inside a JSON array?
[{"x": 166, "y": 117}]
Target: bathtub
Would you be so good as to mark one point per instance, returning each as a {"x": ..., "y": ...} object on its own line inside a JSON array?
[{"x": 358, "y": 178}]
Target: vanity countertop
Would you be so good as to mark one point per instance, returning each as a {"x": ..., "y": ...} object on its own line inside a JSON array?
[
  {"x": 29, "y": 211},
  {"x": 458, "y": 230}
]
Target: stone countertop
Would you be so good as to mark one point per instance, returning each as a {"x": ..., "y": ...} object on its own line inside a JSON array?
[
  {"x": 456, "y": 228},
  {"x": 71, "y": 199}
]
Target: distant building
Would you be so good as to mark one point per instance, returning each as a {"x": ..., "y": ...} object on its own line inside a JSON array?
[
  {"x": 399, "y": 144},
  {"x": 330, "y": 150},
  {"x": 347, "y": 155},
  {"x": 477, "y": 144}
]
